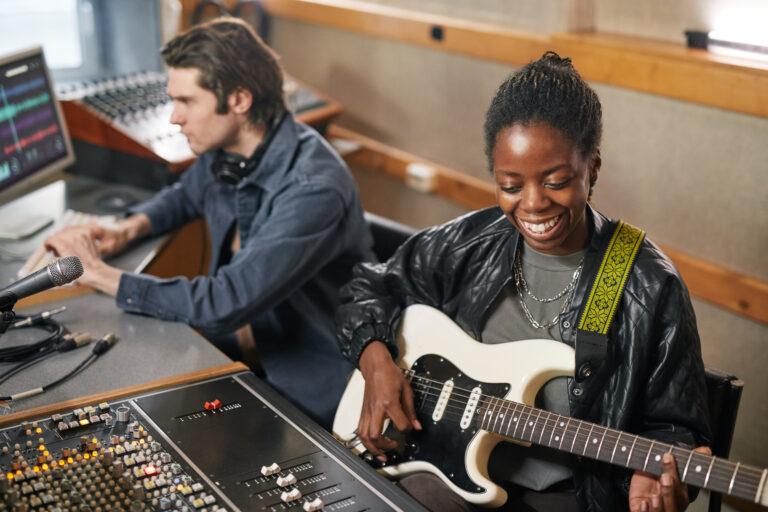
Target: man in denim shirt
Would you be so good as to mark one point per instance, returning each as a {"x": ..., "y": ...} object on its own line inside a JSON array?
[{"x": 283, "y": 212}]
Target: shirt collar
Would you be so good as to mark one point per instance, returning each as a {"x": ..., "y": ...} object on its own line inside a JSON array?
[{"x": 277, "y": 155}]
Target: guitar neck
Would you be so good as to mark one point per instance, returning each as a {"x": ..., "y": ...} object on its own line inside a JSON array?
[{"x": 517, "y": 421}]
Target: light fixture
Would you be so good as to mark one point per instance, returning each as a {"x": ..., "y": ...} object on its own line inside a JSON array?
[{"x": 741, "y": 43}]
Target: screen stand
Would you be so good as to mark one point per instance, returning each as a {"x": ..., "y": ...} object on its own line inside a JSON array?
[{"x": 20, "y": 226}]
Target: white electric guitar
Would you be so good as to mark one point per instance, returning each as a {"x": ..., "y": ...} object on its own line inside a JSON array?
[{"x": 462, "y": 415}]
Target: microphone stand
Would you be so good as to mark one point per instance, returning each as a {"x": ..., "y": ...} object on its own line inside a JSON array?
[{"x": 7, "y": 316}]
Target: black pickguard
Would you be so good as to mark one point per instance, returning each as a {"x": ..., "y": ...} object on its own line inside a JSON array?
[{"x": 442, "y": 443}]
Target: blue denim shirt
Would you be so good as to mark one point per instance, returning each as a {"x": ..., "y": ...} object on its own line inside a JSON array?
[{"x": 301, "y": 231}]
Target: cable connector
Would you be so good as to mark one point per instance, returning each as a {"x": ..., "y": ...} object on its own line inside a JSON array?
[
  {"x": 25, "y": 394},
  {"x": 38, "y": 318},
  {"x": 105, "y": 343},
  {"x": 74, "y": 340}
]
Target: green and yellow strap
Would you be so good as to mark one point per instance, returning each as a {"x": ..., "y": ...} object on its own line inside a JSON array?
[{"x": 600, "y": 306}]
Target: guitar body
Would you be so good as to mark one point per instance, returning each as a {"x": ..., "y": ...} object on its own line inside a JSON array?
[{"x": 433, "y": 346}]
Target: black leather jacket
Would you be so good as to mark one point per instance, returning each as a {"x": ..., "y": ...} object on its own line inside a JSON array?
[{"x": 653, "y": 382}]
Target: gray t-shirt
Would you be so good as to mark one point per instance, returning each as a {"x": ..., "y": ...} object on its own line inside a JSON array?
[{"x": 535, "y": 468}]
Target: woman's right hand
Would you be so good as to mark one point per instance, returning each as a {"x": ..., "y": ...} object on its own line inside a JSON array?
[{"x": 387, "y": 395}]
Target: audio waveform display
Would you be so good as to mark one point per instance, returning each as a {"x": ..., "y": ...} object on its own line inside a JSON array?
[
  {"x": 26, "y": 141},
  {"x": 27, "y": 121},
  {"x": 31, "y": 136},
  {"x": 24, "y": 87},
  {"x": 5, "y": 171},
  {"x": 11, "y": 110}
]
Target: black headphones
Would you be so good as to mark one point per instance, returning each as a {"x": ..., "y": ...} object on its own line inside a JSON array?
[{"x": 231, "y": 168}]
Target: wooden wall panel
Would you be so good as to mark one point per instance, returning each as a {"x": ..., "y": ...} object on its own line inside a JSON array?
[{"x": 717, "y": 285}]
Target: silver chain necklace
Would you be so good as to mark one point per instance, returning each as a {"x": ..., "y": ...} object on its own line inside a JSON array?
[{"x": 522, "y": 286}]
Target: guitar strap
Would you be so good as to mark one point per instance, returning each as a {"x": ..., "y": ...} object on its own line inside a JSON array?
[{"x": 600, "y": 307}]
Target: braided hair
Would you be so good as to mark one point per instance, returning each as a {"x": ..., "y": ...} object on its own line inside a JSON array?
[{"x": 550, "y": 91}]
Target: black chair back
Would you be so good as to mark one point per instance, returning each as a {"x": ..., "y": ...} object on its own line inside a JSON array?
[
  {"x": 387, "y": 234},
  {"x": 724, "y": 391}
]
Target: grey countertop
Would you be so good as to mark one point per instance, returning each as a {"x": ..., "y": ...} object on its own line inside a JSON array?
[{"x": 147, "y": 349}]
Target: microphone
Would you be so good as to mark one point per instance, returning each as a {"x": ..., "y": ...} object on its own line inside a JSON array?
[{"x": 61, "y": 271}]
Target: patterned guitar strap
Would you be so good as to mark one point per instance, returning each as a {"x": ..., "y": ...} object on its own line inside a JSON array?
[{"x": 600, "y": 307}]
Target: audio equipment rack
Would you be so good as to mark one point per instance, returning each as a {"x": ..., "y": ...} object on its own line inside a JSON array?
[{"x": 216, "y": 440}]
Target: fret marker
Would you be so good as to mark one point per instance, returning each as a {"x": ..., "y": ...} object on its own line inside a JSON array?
[
  {"x": 657, "y": 458},
  {"x": 514, "y": 419},
  {"x": 557, "y": 438},
  {"x": 530, "y": 423},
  {"x": 562, "y": 424},
  {"x": 698, "y": 469},
  {"x": 623, "y": 448},
  {"x": 594, "y": 440},
  {"x": 501, "y": 415}
]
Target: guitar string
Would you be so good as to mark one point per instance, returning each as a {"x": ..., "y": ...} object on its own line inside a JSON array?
[
  {"x": 722, "y": 472},
  {"x": 719, "y": 473},
  {"x": 716, "y": 474},
  {"x": 610, "y": 434}
]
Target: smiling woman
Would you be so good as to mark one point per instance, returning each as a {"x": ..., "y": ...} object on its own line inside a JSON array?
[
  {"x": 528, "y": 269},
  {"x": 542, "y": 185}
]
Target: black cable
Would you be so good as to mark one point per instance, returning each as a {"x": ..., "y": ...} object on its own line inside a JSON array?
[
  {"x": 42, "y": 321},
  {"x": 104, "y": 344},
  {"x": 26, "y": 364},
  {"x": 68, "y": 342},
  {"x": 83, "y": 364}
]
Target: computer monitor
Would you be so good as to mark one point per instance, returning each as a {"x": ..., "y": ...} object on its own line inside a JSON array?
[{"x": 34, "y": 142}]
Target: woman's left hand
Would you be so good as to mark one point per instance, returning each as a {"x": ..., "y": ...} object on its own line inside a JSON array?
[{"x": 665, "y": 493}]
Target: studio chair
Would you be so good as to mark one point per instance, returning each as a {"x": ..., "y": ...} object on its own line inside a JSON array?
[
  {"x": 724, "y": 392},
  {"x": 387, "y": 234}
]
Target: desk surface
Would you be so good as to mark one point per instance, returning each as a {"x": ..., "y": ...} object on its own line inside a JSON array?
[
  {"x": 75, "y": 193},
  {"x": 147, "y": 348}
]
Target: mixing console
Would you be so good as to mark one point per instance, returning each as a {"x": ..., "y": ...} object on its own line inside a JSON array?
[
  {"x": 137, "y": 108},
  {"x": 228, "y": 443}
]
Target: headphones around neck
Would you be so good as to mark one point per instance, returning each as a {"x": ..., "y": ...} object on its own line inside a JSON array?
[{"x": 232, "y": 169}]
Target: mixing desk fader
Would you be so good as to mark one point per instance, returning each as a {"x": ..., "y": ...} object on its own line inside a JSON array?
[{"x": 225, "y": 444}]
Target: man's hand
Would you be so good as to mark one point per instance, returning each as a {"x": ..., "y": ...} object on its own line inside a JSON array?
[
  {"x": 387, "y": 395},
  {"x": 77, "y": 240},
  {"x": 113, "y": 239},
  {"x": 665, "y": 493}
]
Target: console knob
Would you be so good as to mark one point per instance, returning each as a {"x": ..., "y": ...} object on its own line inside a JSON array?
[{"x": 123, "y": 414}]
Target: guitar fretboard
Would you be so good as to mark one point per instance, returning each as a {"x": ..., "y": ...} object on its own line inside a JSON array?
[
  {"x": 522, "y": 422},
  {"x": 594, "y": 441}
]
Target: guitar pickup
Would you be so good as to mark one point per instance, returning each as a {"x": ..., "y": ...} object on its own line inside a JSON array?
[
  {"x": 442, "y": 400},
  {"x": 469, "y": 410}
]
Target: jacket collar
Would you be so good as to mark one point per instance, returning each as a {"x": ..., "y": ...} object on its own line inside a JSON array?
[
  {"x": 599, "y": 228},
  {"x": 278, "y": 156}
]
